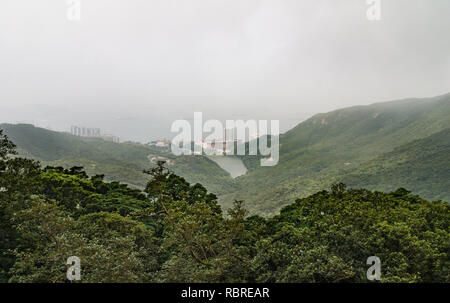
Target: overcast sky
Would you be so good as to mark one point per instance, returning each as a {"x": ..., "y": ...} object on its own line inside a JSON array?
[{"x": 132, "y": 67}]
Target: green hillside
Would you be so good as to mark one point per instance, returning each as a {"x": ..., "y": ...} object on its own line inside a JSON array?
[
  {"x": 175, "y": 232},
  {"x": 122, "y": 162},
  {"x": 318, "y": 151},
  {"x": 422, "y": 166},
  {"x": 381, "y": 146}
]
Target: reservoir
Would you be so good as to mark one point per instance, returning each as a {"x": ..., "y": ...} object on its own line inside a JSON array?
[{"x": 233, "y": 165}]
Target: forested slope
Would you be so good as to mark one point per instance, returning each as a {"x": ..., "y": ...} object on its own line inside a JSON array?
[
  {"x": 176, "y": 232},
  {"x": 422, "y": 166},
  {"x": 380, "y": 146},
  {"x": 326, "y": 147},
  {"x": 122, "y": 162}
]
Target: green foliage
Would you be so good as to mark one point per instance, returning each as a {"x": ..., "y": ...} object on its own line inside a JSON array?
[
  {"x": 422, "y": 166},
  {"x": 120, "y": 162},
  {"x": 168, "y": 230},
  {"x": 6, "y": 146},
  {"x": 176, "y": 232},
  {"x": 112, "y": 248},
  {"x": 120, "y": 234},
  {"x": 356, "y": 146},
  {"x": 328, "y": 236},
  {"x": 382, "y": 146}
]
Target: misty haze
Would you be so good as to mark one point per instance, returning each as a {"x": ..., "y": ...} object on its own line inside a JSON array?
[
  {"x": 239, "y": 143},
  {"x": 133, "y": 67}
]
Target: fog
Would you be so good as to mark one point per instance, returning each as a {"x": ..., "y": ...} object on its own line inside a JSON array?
[{"x": 132, "y": 67}]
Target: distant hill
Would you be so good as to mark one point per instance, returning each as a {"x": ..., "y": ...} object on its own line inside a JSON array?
[
  {"x": 322, "y": 149},
  {"x": 118, "y": 161},
  {"x": 381, "y": 146},
  {"x": 422, "y": 166}
]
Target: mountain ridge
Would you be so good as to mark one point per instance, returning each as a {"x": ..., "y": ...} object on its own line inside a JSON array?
[
  {"x": 327, "y": 145},
  {"x": 325, "y": 149},
  {"x": 118, "y": 161}
]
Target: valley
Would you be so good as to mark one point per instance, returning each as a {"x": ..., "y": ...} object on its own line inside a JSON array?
[{"x": 382, "y": 146}]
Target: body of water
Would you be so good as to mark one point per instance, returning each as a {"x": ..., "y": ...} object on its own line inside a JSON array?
[{"x": 232, "y": 165}]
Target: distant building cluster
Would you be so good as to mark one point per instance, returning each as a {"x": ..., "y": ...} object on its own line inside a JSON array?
[{"x": 93, "y": 133}]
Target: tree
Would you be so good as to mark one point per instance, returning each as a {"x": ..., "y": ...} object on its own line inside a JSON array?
[
  {"x": 111, "y": 248},
  {"x": 6, "y": 146}
]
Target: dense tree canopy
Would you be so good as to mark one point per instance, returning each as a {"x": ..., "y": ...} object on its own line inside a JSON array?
[{"x": 176, "y": 232}]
